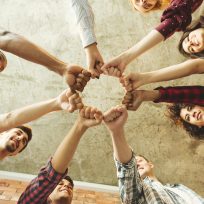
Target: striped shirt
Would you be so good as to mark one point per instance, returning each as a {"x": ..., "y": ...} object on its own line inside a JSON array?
[
  {"x": 39, "y": 189},
  {"x": 134, "y": 190},
  {"x": 85, "y": 21}
]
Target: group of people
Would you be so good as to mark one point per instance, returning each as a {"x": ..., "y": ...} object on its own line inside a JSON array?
[{"x": 137, "y": 181}]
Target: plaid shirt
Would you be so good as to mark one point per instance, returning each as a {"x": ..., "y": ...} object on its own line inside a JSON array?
[
  {"x": 39, "y": 189},
  {"x": 134, "y": 190},
  {"x": 177, "y": 16},
  {"x": 182, "y": 94}
]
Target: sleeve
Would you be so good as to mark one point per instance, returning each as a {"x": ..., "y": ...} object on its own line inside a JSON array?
[
  {"x": 39, "y": 189},
  {"x": 85, "y": 21},
  {"x": 130, "y": 183},
  {"x": 181, "y": 94},
  {"x": 175, "y": 18}
]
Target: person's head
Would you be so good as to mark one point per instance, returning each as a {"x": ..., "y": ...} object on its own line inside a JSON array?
[
  {"x": 192, "y": 41},
  {"x": 15, "y": 140},
  {"x": 3, "y": 61},
  {"x": 144, "y": 166},
  {"x": 144, "y": 6},
  {"x": 191, "y": 117},
  {"x": 63, "y": 193}
]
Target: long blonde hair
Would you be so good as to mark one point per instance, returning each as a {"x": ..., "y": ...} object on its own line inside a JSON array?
[{"x": 160, "y": 5}]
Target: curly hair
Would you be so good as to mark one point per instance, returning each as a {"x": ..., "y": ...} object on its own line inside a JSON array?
[
  {"x": 195, "y": 25},
  {"x": 174, "y": 114}
]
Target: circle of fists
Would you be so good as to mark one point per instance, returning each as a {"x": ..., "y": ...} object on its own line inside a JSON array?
[{"x": 133, "y": 97}]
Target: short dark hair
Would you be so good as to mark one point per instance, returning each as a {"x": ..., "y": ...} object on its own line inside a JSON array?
[
  {"x": 195, "y": 25},
  {"x": 140, "y": 155},
  {"x": 174, "y": 114},
  {"x": 68, "y": 178},
  {"x": 28, "y": 131}
]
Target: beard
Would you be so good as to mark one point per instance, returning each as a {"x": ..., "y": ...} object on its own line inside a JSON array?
[{"x": 10, "y": 148}]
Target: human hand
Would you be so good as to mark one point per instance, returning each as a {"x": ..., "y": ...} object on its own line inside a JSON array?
[
  {"x": 133, "y": 99},
  {"x": 69, "y": 101},
  {"x": 115, "y": 67},
  {"x": 132, "y": 81},
  {"x": 94, "y": 60},
  {"x": 76, "y": 77},
  {"x": 115, "y": 118},
  {"x": 89, "y": 116},
  {"x": 3, "y": 61}
]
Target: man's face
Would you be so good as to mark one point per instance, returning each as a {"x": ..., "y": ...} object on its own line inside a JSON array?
[
  {"x": 14, "y": 140},
  {"x": 63, "y": 193},
  {"x": 194, "y": 43},
  {"x": 144, "y": 167}
]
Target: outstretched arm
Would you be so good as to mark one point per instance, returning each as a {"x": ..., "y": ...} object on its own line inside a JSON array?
[
  {"x": 120, "y": 62},
  {"x": 114, "y": 120},
  {"x": 66, "y": 100},
  {"x": 85, "y": 21},
  {"x": 48, "y": 178},
  {"x": 175, "y": 18},
  {"x": 130, "y": 183},
  {"x": 88, "y": 117},
  {"x": 134, "y": 80},
  {"x": 22, "y": 47}
]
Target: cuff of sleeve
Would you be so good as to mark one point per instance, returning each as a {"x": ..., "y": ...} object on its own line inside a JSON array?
[
  {"x": 87, "y": 37},
  {"x": 128, "y": 165},
  {"x": 165, "y": 28},
  {"x": 161, "y": 92},
  {"x": 52, "y": 174}
]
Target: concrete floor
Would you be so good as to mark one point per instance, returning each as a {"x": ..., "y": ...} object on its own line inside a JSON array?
[{"x": 49, "y": 23}]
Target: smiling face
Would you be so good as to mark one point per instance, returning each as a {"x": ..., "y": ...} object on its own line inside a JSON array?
[
  {"x": 144, "y": 5},
  {"x": 63, "y": 193},
  {"x": 14, "y": 140},
  {"x": 194, "y": 42},
  {"x": 193, "y": 115},
  {"x": 144, "y": 167}
]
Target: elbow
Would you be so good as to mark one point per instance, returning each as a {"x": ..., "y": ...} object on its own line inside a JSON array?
[
  {"x": 7, "y": 122},
  {"x": 7, "y": 38}
]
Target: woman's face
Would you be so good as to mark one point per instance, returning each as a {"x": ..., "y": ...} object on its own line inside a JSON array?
[
  {"x": 193, "y": 115},
  {"x": 144, "y": 5},
  {"x": 194, "y": 43}
]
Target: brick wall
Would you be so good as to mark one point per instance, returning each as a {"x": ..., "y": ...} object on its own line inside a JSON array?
[{"x": 10, "y": 190}]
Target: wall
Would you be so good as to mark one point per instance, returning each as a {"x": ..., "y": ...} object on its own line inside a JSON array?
[{"x": 50, "y": 24}]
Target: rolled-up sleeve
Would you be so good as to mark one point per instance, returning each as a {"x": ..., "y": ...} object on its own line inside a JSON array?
[
  {"x": 130, "y": 183},
  {"x": 181, "y": 94},
  {"x": 85, "y": 21},
  {"x": 176, "y": 17},
  {"x": 39, "y": 189}
]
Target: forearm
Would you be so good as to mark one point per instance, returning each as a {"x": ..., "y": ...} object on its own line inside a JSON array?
[
  {"x": 23, "y": 48},
  {"x": 27, "y": 114},
  {"x": 122, "y": 150},
  {"x": 149, "y": 41},
  {"x": 194, "y": 66},
  {"x": 150, "y": 95},
  {"x": 67, "y": 148}
]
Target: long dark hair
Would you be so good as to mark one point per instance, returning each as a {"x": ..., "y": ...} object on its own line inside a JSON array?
[{"x": 195, "y": 25}]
